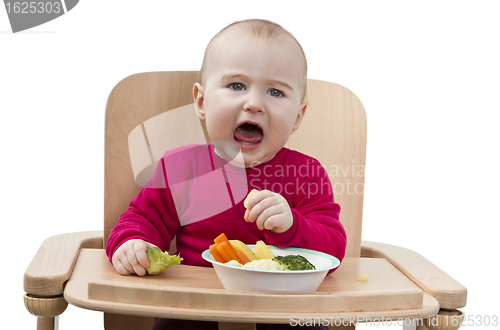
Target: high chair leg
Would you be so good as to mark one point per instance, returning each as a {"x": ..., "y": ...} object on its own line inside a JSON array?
[
  {"x": 46, "y": 309},
  {"x": 47, "y": 323}
]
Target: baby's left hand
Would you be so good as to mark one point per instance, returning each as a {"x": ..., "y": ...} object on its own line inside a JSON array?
[{"x": 269, "y": 211}]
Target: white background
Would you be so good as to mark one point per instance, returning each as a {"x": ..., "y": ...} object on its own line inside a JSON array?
[{"x": 427, "y": 73}]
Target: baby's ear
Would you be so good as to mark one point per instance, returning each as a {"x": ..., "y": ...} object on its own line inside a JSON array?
[
  {"x": 300, "y": 116},
  {"x": 198, "y": 94}
]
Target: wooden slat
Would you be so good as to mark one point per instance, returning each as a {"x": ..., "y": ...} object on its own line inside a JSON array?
[
  {"x": 450, "y": 293},
  {"x": 133, "y": 101},
  {"x": 179, "y": 293},
  {"x": 53, "y": 263},
  {"x": 334, "y": 132}
]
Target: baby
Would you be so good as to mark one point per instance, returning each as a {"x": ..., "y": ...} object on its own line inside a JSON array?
[{"x": 251, "y": 94}]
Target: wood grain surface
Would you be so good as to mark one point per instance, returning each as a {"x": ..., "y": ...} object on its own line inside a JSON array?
[
  {"x": 450, "y": 293},
  {"x": 196, "y": 293}
]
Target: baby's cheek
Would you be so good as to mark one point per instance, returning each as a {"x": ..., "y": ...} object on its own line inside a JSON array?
[{"x": 215, "y": 129}]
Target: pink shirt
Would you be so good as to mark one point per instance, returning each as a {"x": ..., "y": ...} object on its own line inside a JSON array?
[{"x": 205, "y": 197}]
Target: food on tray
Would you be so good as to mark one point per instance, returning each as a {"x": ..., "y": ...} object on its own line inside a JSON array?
[
  {"x": 262, "y": 251},
  {"x": 290, "y": 262},
  {"x": 225, "y": 250},
  {"x": 243, "y": 251},
  {"x": 237, "y": 253},
  {"x": 362, "y": 277},
  {"x": 234, "y": 263},
  {"x": 250, "y": 194},
  {"x": 266, "y": 264},
  {"x": 294, "y": 262},
  {"x": 215, "y": 253},
  {"x": 159, "y": 261}
]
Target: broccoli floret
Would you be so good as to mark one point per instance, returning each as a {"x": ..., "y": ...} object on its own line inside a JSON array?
[
  {"x": 159, "y": 261},
  {"x": 294, "y": 262}
]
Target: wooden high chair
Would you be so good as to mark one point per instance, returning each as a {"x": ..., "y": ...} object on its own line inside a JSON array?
[{"x": 149, "y": 113}]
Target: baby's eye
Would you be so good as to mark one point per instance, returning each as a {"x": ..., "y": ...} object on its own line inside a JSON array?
[
  {"x": 237, "y": 86},
  {"x": 275, "y": 92}
]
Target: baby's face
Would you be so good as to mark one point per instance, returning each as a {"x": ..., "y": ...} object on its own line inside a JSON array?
[{"x": 251, "y": 98}]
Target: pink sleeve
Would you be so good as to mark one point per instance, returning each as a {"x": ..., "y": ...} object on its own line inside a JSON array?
[
  {"x": 316, "y": 224},
  {"x": 151, "y": 216}
]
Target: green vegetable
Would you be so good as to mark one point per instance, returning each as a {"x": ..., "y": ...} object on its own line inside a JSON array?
[
  {"x": 294, "y": 262},
  {"x": 159, "y": 261}
]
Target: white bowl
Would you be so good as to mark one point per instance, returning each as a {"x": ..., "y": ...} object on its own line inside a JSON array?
[{"x": 247, "y": 279}]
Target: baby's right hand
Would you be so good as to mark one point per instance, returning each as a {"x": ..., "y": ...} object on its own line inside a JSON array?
[{"x": 130, "y": 257}]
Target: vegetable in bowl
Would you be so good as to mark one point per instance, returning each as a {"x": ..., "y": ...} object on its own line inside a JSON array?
[
  {"x": 294, "y": 262},
  {"x": 240, "y": 278}
]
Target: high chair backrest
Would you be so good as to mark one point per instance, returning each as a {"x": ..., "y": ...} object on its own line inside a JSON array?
[{"x": 149, "y": 113}]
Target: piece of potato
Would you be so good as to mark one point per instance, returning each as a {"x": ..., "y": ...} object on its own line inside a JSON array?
[
  {"x": 362, "y": 277},
  {"x": 262, "y": 251},
  {"x": 250, "y": 194},
  {"x": 240, "y": 246}
]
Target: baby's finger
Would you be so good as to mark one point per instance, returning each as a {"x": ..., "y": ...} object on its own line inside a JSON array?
[
  {"x": 120, "y": 269},
  {"x": 134, "y": 263},
  {"x": 246, "y": 201},
  {"x": 265, "y": 215},
  {"x": 265, "y": 203},
  {"x": 140, "y": 249},
  {"x": 274, "y": 222},
  {"x": 257, "y": 198},
  {"x": 126, "y": 265}
]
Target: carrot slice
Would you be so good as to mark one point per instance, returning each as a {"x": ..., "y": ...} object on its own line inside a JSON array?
[
  {"x": 215, "y": 253},
  {"x": 243, "y": 257},
  {"x": 221, "y": 238},
  {"x": 227, "y": 252}
]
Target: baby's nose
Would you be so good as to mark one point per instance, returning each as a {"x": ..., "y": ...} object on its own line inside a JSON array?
[{"x": 254, "y": 102}]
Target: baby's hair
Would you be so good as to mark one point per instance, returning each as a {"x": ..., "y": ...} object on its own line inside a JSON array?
[{"x": 259, "y": 28}]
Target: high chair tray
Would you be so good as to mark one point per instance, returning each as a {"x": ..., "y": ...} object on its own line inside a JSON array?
[{"x": 196, "y": 293}]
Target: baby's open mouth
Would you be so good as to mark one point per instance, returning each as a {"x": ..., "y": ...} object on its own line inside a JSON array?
[{"x": 248, "y": 134}]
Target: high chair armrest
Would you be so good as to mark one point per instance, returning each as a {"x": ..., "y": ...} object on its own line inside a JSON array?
[
  {"x": 53, "y": 263},
  {"x": 430, "y": 278}
]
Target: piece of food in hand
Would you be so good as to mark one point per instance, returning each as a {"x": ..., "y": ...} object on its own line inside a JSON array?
[
  {"x": 159, "y": 261},
  {"x": 262, "y": 251},
  {"x": 242, "y": 251},
  {"x": 250, "y": 194},
  {"x": 294, "y": 262},
  {"x": 362, "y": 277}
]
